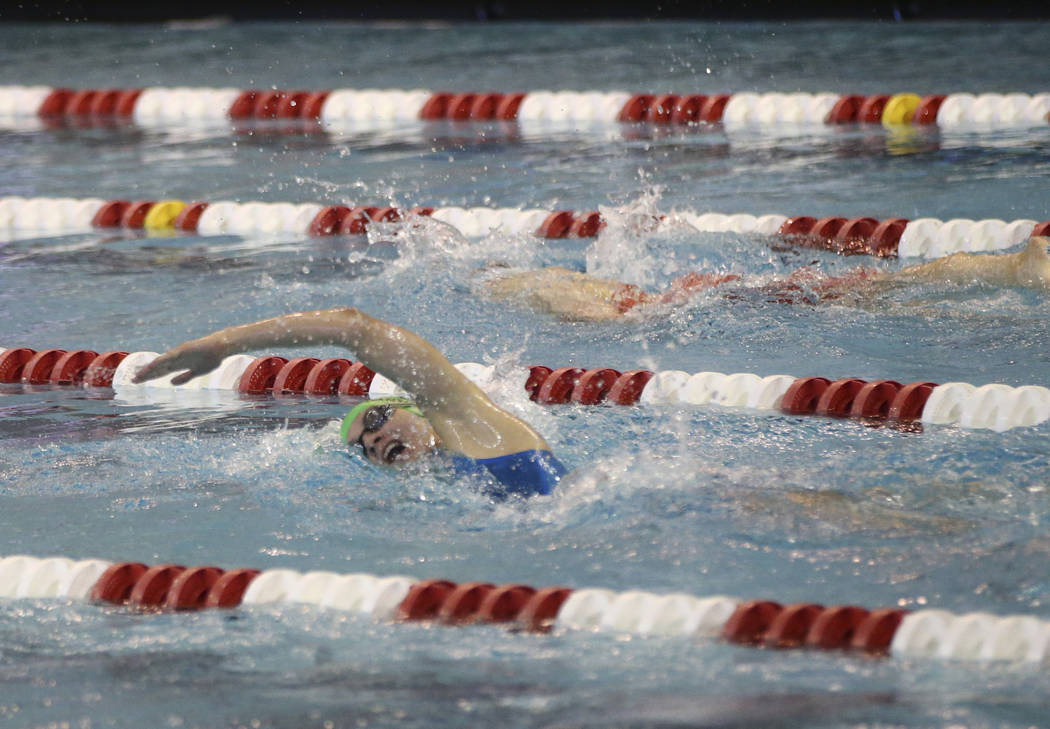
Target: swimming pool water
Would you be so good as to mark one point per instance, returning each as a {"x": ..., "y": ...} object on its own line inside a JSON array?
[{"x": 703, "y": 500}]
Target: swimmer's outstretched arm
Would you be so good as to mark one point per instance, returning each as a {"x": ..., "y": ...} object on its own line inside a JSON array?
[
  {"x": 1029, "y": 267},
  {"x": 462, "y": 414}
]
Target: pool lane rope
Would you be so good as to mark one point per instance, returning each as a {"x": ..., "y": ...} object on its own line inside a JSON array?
[
  {"x": 993, "y": 406},
  {"x": 161, "y": 107},
  {"x": 922, "y": 237},
  {"x": 899, "y": 633}
]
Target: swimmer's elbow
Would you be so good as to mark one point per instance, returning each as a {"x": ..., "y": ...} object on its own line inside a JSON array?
[
  {"x": 349, "y": 316},
  {"x": 345, "y": 311}
]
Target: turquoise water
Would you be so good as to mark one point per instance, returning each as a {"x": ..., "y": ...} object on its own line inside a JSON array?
[{"x": 705, "y": 501}]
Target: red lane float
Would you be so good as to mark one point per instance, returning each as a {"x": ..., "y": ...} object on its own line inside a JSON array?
[
  {"x": 485, "y": 107},
  {"x": 926, "y": 113},
  {"x": 13, "y": 361},
  {"x": 628, "y": 387},
  {"x": 464, "y": 602},
  {"x": 886, "y": 236},
  {"x": 758, "y": 622},
  {"x": 586, "y": 225},
  {"x": 503, "y": 604},
  {"x": 290, "y": 105},
  {"x": 135, "y": 213},
  {"x": 313, "y": 104},
  {"x": 436, "y": 106},
  {"x": 334, "y": 107},
  {"x": 713, "y": 107},
  {"x": 845, "y": 110},
  {"x": 803, "y": 395},
  {"x": 509, "y": 106},
  {"x": 870, "y": 111},
  {"x": 101, "y": 370},
  {"x": 537, "y": 376},
  {"x": 329, "y": 220},
  {"x": 151, "y": 589},
  {"x": 188, "y": 217},
  {"x": 790, "y": 627},
  {"x": 541, "y": 609},
  {"x": 880, "y": 400},
  {"x": 228, "y": 590},
  {"x": 424, "y": 600},
  {"x": 557, "y": 224},
  {"x": 750, "y": 621},
  {"x": 765, "y": 623},
  {"x": 860, "y": 235},
  {"x": 54, "y": 104},
  {"x": 557, "y": 387},
  {"x": 857, "y": 229},
  {"x": 110, "y": 214},
  {"x": 323, "y": 379},
  {"x": 661, "y": 108},
  {"x": 909, "y": 401},
  {"x": 995, "y": 406},
  {"x": 117, "y": 582},
  {"x": 837, "y": 399},
  {"x": 874, "y": 399},
  {"x": 291, "y": 378},
  {"x": 243, "y": 107},
  {"x": 635, "y": 108},
  {"x": 356, "y": 380},
  {"x": 856, "y": 236},
  {"x": 593, "y": 386},
  {"x": 851, "y": 397},
  {"x": 261, "y": 374},
  {"x": 189, "y": 590},
  {"x": 799, "y": 225},
  {"x": 687, "y": 109},
  {"x": 835, "y": 627},
  {"x": 70, "y": 368},
  {"x": 37, "y": 370},
  {"x": 842, "y": 627},
  {"x": 827, "y": 227}
]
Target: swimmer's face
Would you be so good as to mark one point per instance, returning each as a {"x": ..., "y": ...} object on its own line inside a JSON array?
[{"x": 388, "y": 435}]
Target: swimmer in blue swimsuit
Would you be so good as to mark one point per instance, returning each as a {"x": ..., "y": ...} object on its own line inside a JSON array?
[{"x": 448, "y": 411}]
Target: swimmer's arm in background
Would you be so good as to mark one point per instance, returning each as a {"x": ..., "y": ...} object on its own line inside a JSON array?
[
  {"x": 1029, "y": 267},
  {"x": 463, "y": 416}
]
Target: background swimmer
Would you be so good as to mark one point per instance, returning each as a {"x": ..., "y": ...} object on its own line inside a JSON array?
[
  {"x": 1029, "y": 267},
  {"x": 582, "y": 297}
]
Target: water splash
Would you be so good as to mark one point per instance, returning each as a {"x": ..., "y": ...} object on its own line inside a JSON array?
[{"x": 626, "y": 248}]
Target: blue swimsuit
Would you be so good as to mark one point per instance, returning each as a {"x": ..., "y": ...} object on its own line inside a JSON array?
[{"x": 526, "y": 473}]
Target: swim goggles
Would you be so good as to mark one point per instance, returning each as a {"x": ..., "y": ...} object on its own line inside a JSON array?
[{"x": 377, "y": 412}]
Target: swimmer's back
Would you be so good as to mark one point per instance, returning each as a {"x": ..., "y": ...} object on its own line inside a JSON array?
[
  {"x": 526, "y": 473},
  {"x": 561, "y": 292}
]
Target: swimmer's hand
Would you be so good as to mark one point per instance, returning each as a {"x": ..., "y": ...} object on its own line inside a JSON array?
[{"x": 198, "y": 357}]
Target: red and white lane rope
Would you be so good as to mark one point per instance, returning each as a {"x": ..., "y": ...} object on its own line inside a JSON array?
[
  {"x": 993, "y": 406},
  {"x": 923, "y": 237},
  {"x": 765, "y": 623},
  {"x": 159, "y": 106}
]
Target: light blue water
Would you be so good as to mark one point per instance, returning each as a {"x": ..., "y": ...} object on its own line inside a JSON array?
[{"x": 704, "y": 501}]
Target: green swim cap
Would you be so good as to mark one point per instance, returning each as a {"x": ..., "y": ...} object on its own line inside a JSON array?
[{"x": 400, "y": 403}]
